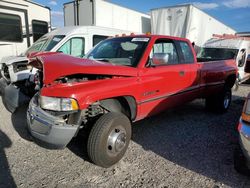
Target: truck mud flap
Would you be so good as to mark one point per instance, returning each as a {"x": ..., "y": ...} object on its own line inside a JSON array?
[
  {"x": 3, "y": 84},
  {"x": 14, "y": 98}
]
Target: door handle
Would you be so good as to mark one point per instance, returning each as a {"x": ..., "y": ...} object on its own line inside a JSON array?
[{"x": 181, "y": 73}]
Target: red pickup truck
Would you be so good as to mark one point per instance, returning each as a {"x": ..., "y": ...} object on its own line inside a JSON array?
[{"x": 122, "y": 80}]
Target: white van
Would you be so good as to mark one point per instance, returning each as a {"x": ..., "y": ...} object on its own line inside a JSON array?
[
  {"x": 74, "y": 40},
  {"x": 237, "y": 48}
]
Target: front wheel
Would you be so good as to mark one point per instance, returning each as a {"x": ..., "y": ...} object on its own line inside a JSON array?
[{"x": 109, "y": 139}]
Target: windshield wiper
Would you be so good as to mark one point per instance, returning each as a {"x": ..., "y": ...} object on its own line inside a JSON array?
[{"x": 103, "y": 59}]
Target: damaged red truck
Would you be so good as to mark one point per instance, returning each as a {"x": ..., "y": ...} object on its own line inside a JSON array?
[{"x": 122, "y": 80}]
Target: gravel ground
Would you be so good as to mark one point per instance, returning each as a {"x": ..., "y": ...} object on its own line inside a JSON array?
[{"x": 184, "y": 147}]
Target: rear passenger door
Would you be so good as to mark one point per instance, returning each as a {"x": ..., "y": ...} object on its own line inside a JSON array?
[{"x": 166, "y": 77}]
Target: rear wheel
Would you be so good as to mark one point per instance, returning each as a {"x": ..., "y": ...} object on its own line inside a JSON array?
[
  {"x": 220, "y": 102},
  {"x": 109, "y": 139},
  {"x": 224, "y": 100}
]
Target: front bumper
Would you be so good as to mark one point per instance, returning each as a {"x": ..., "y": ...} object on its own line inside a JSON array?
[
  {"x": 244, "y": 131},
  {"x": 52, "y": 130}
]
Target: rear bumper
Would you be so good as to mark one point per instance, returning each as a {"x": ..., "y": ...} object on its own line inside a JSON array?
[
  {"x": 49, "y": 129},
  {"x": 244, "y": 131}
]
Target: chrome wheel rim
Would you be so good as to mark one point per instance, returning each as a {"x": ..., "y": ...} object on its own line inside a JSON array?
[
  {"x": 226, "y": 101},
  {"x": 116, "y": 141}
]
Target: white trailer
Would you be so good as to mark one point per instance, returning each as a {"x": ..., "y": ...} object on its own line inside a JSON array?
[
  {"x": 105, "y": 14},
  {"x": 187, "y": 21},
  {"x": 22, "y": 22}
]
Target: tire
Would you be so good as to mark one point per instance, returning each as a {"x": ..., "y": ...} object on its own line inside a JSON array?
[
  {"x": 221, "y": 102},
  {"x": 102, "y": 146},
  {"x": 224, "y": 100},
  {"x": 240, "y": 164}
]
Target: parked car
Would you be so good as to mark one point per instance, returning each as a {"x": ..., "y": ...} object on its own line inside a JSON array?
[
  {"x": 242, "y": 155},
  {"x": 123, "y": 80},
  {"x": 17, "y": 79}
]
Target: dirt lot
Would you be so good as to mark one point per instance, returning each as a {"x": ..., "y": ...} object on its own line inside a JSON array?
[{"x": 184, "y": 147}]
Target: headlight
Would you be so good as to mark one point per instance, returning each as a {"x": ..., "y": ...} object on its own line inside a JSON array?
[
  {"x": 58, "y": 104},
  {"x": 246, "y": 111}
]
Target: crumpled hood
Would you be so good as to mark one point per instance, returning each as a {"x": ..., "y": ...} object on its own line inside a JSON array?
[
  {"x": 56, "y": 65},
  {"x": 13, "y": 59}
]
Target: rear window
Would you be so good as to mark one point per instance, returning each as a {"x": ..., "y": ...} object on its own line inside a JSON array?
[{"x": 11, "y": 28}]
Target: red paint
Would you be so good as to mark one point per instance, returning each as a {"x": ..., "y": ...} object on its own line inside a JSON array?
[
  {"x": 148, "y": 86},
  {"x": 239, "y": 127}
]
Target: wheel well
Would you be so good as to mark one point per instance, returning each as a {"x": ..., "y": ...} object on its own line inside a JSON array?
[
  {"x": 124, "y": 104},
  {"x": 230, "y": 80}
]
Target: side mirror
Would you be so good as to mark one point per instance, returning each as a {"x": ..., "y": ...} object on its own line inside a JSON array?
[{"x": 160, "y": 59}]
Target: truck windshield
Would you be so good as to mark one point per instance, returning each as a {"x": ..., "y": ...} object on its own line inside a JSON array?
[
  {"x": 45, "y": 43},
  {"x": 217, "y": 53},
  {"x": 125, "y": 51}
]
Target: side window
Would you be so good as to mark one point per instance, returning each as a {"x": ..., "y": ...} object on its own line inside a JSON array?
[
  {"x": 39, "y": 28},
  {"x": 187, "y": 52},
  {"x": 163, "y": 53},
  {"x": 98, "y": 38},
  {"x": 74, "y": 47},
  {"x": 11, "y": 28}
]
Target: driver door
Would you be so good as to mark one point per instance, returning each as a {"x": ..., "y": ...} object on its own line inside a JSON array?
[{"x": 165, "y": 79}]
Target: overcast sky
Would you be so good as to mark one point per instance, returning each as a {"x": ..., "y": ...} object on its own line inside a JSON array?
[{"x": 234, "y": 13}]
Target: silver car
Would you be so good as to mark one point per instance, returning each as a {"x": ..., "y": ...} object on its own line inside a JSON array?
[{"x": 242, "y": 156}]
